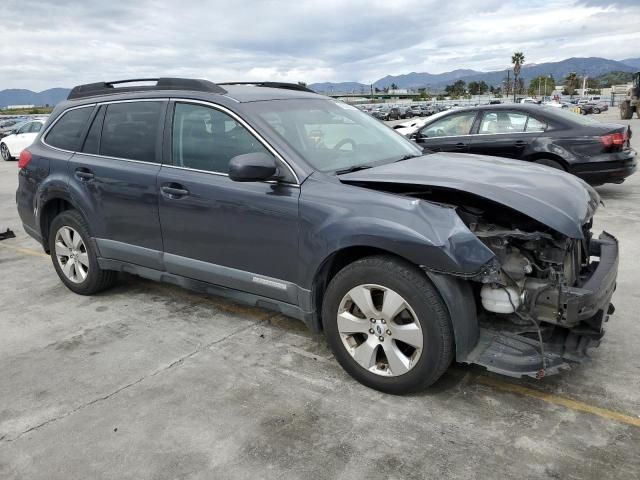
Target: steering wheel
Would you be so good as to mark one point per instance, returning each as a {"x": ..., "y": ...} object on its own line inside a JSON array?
[{"x": 343, "y": 142}]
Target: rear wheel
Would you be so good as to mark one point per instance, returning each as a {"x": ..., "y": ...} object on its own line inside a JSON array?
[
  {"x": 550, "y": 163},
  {"x": 596, "y": 110},
  {"x": 73, "y": 255},
  {"x": 387, "y": 325},
  {"x": 4, "y": 151}
]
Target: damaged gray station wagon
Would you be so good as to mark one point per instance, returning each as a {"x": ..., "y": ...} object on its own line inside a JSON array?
[{"x": 272, "y": 195}]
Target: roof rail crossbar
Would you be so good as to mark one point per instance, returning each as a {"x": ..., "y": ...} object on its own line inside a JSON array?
[
  {"x": 106, "y": 88},
  {"x": 285, "y": 85}
]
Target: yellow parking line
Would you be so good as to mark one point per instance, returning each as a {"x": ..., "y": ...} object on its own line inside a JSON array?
[
  {"x": 489, "y": 381},
  {"x": 557, "y": 400},
  {"x": 28, "y": 251}
]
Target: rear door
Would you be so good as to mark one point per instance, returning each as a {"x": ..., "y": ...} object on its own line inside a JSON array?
[
  {"x": 451, "y": 133},
  {"x": 238, "y": 235},
  {"x": 114, "y": 178},
  {"x": 505, "y": 133}
]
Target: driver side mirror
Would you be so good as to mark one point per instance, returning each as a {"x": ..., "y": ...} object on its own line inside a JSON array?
[
  {"x": 252, "y": 167},
  {"x": 418, "y": 136}
]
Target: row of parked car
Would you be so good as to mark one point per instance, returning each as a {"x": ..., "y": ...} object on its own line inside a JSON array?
[{"x": 398, "y": 112}]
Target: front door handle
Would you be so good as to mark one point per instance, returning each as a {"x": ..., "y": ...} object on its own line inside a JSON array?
[
  {"x": 174, "y": 190},
  {"x": 84, "y": 174}
]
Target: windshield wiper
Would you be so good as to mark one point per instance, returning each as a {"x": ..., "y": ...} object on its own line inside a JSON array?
[
  {"x": 352, "y": 169},
  {"x": 407, "y": 157}
]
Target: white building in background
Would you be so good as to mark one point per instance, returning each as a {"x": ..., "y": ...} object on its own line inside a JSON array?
[{"x": 16, "y": 107}]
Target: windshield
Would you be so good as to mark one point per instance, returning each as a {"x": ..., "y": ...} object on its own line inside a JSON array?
[{"x": 333, "y": 136}]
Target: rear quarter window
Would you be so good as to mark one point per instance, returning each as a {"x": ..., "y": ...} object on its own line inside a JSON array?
[{"x": 66, "y": 133}]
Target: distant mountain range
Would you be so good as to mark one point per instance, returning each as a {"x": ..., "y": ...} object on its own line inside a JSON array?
[
  {"x": 16, "y": 96},
  {"x": 592, "y": 66}
]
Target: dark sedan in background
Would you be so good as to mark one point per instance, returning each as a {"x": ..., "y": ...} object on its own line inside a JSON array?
[{"x": 594, "y": 151}]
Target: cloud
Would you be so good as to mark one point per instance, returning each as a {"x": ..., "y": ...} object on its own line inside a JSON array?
[{"x": 67, "y": 42}]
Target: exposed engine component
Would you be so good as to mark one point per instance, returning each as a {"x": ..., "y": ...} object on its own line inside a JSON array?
[{"x": 499, "y": 299}]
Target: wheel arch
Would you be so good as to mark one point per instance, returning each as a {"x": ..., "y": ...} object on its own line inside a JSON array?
[
  {"x": 455, "y": 292},
  {"x": 549, "y": 156},
  {"x": 49, "y": 210}
]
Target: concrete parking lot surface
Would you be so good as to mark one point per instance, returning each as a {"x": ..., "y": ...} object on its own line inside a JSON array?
[{"x": 149, "y": 381}]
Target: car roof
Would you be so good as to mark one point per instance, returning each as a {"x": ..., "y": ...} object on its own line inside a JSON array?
[{"x": 529, "y": 107}]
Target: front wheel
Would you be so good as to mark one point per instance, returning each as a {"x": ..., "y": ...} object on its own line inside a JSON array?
[
  {"x": 4, "y": 151},
  {"x": 74, "y": 257},
  {"x": 387, "y": 325}
]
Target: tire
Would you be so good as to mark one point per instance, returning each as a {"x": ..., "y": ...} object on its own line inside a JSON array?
[
  {"x": 596, "y": 110},
  {"x": 83, "y": 276},
  {"x": 422, "y": 319},
  {"x": 551, "y": 163},
  {"x": 625, "y": 110},
  {"x": 5, "y": 153}
]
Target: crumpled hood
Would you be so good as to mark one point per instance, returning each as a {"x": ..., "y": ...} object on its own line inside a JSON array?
[{"x": 555, "y": 198}]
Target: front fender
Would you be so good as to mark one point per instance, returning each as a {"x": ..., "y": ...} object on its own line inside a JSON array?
[{"x": 335, "y": 216}]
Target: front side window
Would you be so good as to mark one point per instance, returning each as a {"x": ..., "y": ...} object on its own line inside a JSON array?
[
  {"x": 207, "y": 139},
  {"x": 503, "y": 122},
  {"x": 130, "y": 130},
  {"x": 66, "y": 132},
  {"x": 450, "y": 126}
]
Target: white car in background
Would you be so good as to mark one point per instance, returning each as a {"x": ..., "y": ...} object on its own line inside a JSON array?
[
  {"x": 12, "y": 145},
  {"x": 412, "y": 126}
]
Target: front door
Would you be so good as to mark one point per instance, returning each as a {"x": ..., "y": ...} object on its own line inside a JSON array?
[
  {"x": 450, "y": 133},
  {"x": 238, "y": 235}
]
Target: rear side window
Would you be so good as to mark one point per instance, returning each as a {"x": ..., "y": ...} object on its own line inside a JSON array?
[
  {"x": 35, "y": 127},
  {"x": 534, "y": 125},
  {"x": 66, "y": 132},
  {"x": 503, "y": 122},
  {"x": 130, "y": 130}
]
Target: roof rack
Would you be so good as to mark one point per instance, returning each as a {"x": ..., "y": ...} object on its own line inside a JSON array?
[
  {"x": 285, "y": 85},
  {"x": 106, "y": 88}
]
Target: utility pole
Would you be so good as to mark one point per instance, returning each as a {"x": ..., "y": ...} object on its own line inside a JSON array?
[{"x": 509, "y": 85}]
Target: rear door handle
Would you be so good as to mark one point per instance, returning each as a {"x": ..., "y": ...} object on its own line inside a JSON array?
[
  {"x": 520, "y": 143},
  {"x": 84, "y": 174},
  {"x": 174, "y": 190},
  {"x": 460, "y": 145}
]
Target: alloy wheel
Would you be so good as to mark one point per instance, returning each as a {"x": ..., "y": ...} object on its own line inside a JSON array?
[
  {"x": 380, "y": 330},
  {"x": 71, "y": 253},
  {"x": 4, "y": 151}
]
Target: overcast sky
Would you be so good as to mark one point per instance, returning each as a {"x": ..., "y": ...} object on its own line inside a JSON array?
[{"x": 62, "y": 43}]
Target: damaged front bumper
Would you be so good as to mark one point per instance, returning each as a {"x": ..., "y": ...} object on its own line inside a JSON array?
[{"x": 520, "y": 353}]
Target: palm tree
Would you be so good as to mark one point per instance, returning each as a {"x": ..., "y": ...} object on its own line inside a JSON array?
[
  {"x": 517, "y": 59},
  {"x": 570, "y": 83}
]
